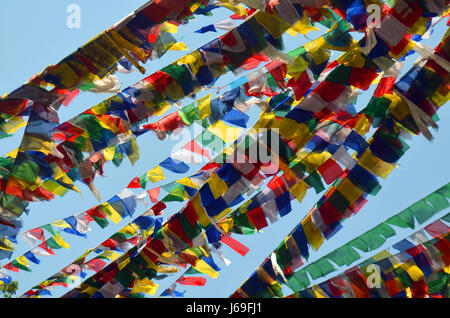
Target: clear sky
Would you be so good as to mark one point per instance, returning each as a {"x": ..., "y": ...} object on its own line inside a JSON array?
[{"x": 34, "y": 35}]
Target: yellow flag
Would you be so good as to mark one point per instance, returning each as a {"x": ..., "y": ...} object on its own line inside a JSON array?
[
  {"x": 108, "y": 153},
  {"x": 12, "y": 125},
  {"x": 299, "y": 190},
  {"x": 30, "y": 143},
  {"x": 273, "y": 23},
  {"x": 226, "y": 225},
  {"x": 413, "y": 271},
  {"x": 162, "y": 109},
  {"x": 350, "y": 191},
  {"x": 179, "y": 46},
  {"x": 55, "y": 188},
  {"x": 362, "y": 126},
  {"x": 447, "y": 269},
  {"x": 58, "y": 239},
  {"x": 124, "y": 263},
  {"x": 205, "y": 268},
  {"x": 187, "y": 182},
  {"x": 314, "y": 160},
  {"x": 239, "y": 9},
  {"x": 156, "y": 174},
  {"x": 22, "y": 260},
  {"x": 144, "y": 286},
  {"x": 194, "y": 59},
  {"x": 13, "y": 154},
  {"x": 375, "y": 165},
  {"x": 224, "y": 132},
  {"x": 169, "y": 27},
  {"x": 203, "y": 218},
  {"x": 61, "y": 223},
  {"x": 110, "y": 212},
  {"x": 313, "y": 234},
  {"x": 129, "y": 229},
  {"x": 303, "y": 26},
  {"x": 204, "y": 108},
  {"x": 398, "y": 106},
  {"x": 319, "y": 292},
  {"x": 111, "y": 255},
  {"x": 218, "y": 186}
]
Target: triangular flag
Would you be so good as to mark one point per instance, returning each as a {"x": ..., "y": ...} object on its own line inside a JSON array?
[
  {"x": 156, "y": 174},
  {"x": 154, "y": 194},
  {"x": 134, "y": 184},
  {"x": 180, "y": 46},
  {"x": 191, "y": 281}
]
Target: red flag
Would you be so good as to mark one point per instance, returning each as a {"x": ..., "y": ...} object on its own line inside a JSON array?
[
  {"x": 134, "y": 184},
  {"x": 330, "y": 170},
  {"x": 154, "y": 194},
  {"x": 110, "y": 243},
  {"x": 194, "y": 147},
  {"x": 437, "y": 228},
  {"x": 300, "y": 85},
  {"x": 46, "y": 248},
  {"x": 158, "y": 207},
  {"x": 385, "y": 86},
  {"x": 235, "y": 245},
  {"x": 257, "y": 217},
  {"x": 191, "y": 281},
  {"x": 38, "y": 233},
  {"x": 254, "y": 60},
  {"x": 95, "y": 264},
  {"x": 238, "y": 17},
  {"x": 10, "y": 267}
]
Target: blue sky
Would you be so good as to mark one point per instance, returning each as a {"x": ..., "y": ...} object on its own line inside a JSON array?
[{"x": 34, "y": 35}]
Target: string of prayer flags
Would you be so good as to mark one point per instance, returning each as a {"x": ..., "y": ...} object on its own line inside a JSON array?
[{"x": 346, "y": 254}]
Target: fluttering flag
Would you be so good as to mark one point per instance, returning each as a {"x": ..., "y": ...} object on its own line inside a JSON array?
[
  {"x": 208, "y": 267},
  {"x": 156, "y": 174},
  {"x": 208, "y": 28},
  {"x": 134, "y": 184},
  {"x": 191, "y": 281},
  {"x": 174, "y": 165},
  {"x": 235, "y": 245},
  {"x": 179, "y": 46},
  {"x": 154, "y": 194}
]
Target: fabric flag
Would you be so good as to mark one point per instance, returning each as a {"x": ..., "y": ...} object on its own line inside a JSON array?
[
  {"x": 154, "y": 194},
  {"x": 235, "y": 245},
  {"x": 225, "y": 24},
  {"x": 191, "y": 281},
  {"x": 22, "y": 263},
  {"x": 187, "y": 156},
  {"x": 31, "y": 257},
  {"x": 204, "y": 106},
  {"x": 207, "y": 266},
  {"x": 145, "y": 286},
  {"x": 208, "y": 28},
  {"x": 224, "y": 132},
  {"x": 110, "y": 212},
  {"x": 75, "y": 227},
  {"x": 174, "y": 165},
  {"x": 134, "y": 184},
  {"x": 194, "y": 147},
  {"x": 156, "y": 174},
  {"x": 57, "y": 242},
  {"x": 34, "y": 236},
  {"x": 236, "y": 117},
  {"x": 179, "y": 46}
]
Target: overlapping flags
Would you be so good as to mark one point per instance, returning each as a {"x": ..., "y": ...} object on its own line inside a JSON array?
[{"x": 316, "y": 127}]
